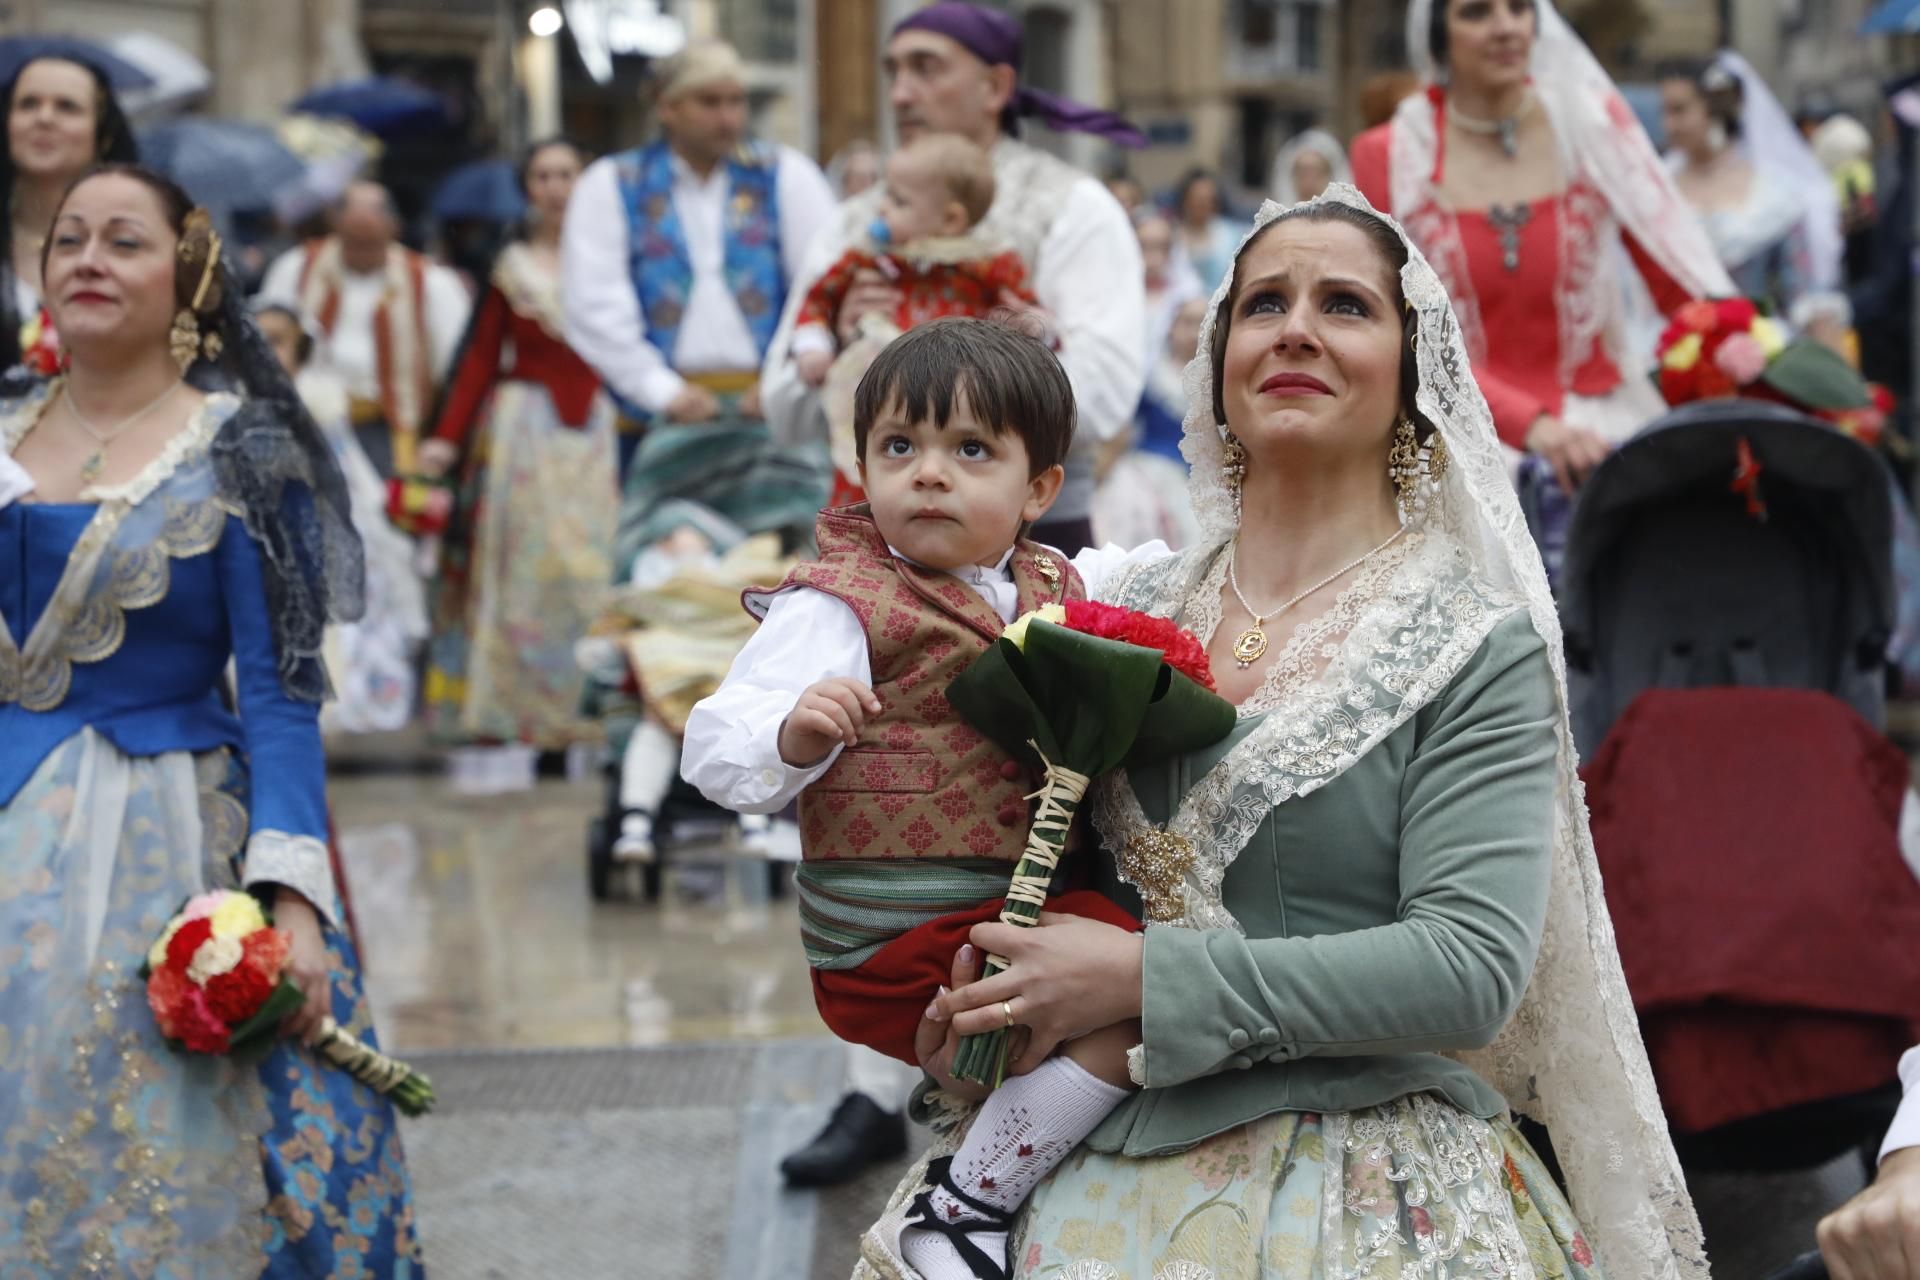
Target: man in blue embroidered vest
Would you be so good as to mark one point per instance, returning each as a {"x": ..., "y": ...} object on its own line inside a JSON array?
[{"x": 677, "y": 256}]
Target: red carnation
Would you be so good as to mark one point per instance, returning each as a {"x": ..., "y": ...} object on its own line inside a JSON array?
[
  {"x": 199, "y": 1029},
  {"x": 264, "y": 952},
  {"x": 237, "y": 995},
  {"x": 186, "y": 941},
  {"x": 1183, "y": 652},
  {"x": 1711, "y": 382},
  {"x": 1735, "y": 315},
  {"x": 167, "y": 990},
  {"x": 1698, "y": 316}
]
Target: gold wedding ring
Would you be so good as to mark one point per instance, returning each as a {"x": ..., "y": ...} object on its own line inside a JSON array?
[{"x": 1006, "y": 1007}]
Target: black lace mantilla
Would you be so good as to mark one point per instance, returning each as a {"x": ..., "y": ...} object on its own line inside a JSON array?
[{"x": 274, "y": 467}]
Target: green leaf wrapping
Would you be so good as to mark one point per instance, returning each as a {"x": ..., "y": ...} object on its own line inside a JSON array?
[
  {"x": 1816, "y": 378},
  {"x": 1080, "y": 703}
]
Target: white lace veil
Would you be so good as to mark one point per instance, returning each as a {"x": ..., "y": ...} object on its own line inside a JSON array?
[
  {"x": 1774, "y": 143},
  {"x": 1280, "y": 185},
  {"x": 1571, "y": 1057}
]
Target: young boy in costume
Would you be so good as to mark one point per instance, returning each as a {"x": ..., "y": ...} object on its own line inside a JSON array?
[{"x": 911, "y": 820}]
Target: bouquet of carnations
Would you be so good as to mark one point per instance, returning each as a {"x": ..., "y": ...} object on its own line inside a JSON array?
[
  {"x": 217, "y": 984},
  {"x": 1079, "y": 688},
  {"x": 40, "y": 344},
  {"x": 1713, "y": 350}
]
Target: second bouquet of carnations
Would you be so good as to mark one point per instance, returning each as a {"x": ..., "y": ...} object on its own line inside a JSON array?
[{"x": 217, "y": 983}]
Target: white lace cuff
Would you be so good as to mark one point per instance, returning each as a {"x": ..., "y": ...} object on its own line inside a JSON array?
[
  {"x": 1137, "y": 1065},
  {"x": 298, "y": 862}
]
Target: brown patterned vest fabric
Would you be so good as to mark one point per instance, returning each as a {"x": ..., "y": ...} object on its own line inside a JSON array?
[{"x": 922, "y": 783}]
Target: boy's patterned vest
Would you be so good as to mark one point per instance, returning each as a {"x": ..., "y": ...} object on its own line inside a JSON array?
[
  {"x": 922, "y": 783},
  {"x": 657, "y": 248}
]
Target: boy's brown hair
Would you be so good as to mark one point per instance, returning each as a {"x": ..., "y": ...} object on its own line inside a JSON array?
[{"x": 1011, "y": 382}]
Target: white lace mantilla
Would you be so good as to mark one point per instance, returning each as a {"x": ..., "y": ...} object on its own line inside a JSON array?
[
  {"x": 1571, "y": 1056},
  {"x": 1393, "y": 641}
]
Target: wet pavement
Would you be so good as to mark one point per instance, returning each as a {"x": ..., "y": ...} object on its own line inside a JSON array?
[{"x": 620, "y": 1079}]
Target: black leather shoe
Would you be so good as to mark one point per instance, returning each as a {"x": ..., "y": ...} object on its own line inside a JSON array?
[{"x": 858, "y": 1134}]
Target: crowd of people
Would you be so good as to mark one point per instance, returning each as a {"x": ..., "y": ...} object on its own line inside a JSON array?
[{"x": 1340, "y": 441}]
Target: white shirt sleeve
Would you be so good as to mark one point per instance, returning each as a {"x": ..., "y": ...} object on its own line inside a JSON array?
[
  {"x": 1905, "y": 1130},
  {"x": 1090, "y": 277},
  {"x": 604, "y": 323},
  {"x": 281, "y": 284},
  {"x": 806, "y": 205},
  {"x": 448, "y": 308},
  {"x": 731, "y": 750},
  {"x": 1098, "y": 566}
]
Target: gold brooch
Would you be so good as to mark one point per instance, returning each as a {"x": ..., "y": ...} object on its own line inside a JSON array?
[
  {"x": 1156, "y": 862},
  {"x": 1046, "y": 568}
]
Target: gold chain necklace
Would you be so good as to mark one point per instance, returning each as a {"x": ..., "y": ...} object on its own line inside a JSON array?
[
  {"x": 1251, "y": 643},
  {"x": 103, "y": 439}
]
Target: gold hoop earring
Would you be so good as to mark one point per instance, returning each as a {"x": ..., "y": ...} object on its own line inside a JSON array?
[{"x": 183, "y": 340}]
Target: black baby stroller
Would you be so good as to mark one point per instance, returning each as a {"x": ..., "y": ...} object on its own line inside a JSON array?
[
  {"x": 723, "y": 482},
  {"x": 1727, "y": 601}
]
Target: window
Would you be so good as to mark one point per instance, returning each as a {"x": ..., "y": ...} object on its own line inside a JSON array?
[
  {"x": 1259, "y": 24},
  {"x": 1306, "y": 37}
]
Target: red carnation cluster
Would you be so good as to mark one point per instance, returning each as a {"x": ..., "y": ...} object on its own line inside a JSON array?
[
  {"x": 1712, "y": 349},
  {"x": 213, "y": 970},
  {"x": 1183, "y": 651}
]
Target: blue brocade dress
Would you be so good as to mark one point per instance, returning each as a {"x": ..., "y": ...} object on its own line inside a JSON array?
[{"x": 126, "y": 785}]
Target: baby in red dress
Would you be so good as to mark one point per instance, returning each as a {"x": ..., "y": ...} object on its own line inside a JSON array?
[{"x": 936, "y": 192}]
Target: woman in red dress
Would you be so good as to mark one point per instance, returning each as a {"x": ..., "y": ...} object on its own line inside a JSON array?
[
  {"x": 1525, "y": 179},
  {"x": 529, "y": 433}
]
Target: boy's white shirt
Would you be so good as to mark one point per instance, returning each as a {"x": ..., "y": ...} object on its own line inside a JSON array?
[{"x": 731, "y": 750}]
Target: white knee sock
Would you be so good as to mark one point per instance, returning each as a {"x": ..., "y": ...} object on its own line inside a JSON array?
[{"x": 1024, "y": 1130}]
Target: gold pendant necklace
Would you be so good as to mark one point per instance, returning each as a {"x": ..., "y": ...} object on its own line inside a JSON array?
[
  {"x": 1250, "y": 644},
  {"x": 96, "y": 463}
]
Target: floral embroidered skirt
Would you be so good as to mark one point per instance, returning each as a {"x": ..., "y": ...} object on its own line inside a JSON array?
[
  {"x": 525, "y": 576},
  {"x": 119, "y": 1156},
  {"x": 1413, "y": 1188}
]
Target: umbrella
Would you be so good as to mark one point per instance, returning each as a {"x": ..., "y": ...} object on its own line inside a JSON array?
[
  {"x": 1894, "y": 17},
  {"x": 178, "y": 77},
  {"x": 17, "y": 51},
  {"x": 226, "y": 165},
  {"x": 379, "y": 104},
  {"x": 485, "y": 190}
]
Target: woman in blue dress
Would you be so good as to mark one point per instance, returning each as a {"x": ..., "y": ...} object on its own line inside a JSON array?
[{"x": 165, "y": 507}]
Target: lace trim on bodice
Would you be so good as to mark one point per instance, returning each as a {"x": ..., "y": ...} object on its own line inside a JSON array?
[
  {"x": 1392, "y": 643},
  {"x": 121, "y": 561},
  {"x": 530, "y": 290}
]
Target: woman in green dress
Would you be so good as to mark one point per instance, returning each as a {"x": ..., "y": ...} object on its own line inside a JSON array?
[{"x": 1375, "y": 924}]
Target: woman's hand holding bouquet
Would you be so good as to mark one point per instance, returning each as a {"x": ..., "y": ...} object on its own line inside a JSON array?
[{"x": 222, "y": 980}]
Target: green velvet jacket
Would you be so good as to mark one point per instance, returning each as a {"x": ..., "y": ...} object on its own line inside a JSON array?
[{"x": 1389, "y": 916}]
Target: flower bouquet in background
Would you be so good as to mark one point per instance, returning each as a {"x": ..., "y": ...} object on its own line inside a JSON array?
[
  {"x": 419, "y": 506},
  {"x": 1079, "y": 689},
  {"x": 40, "y": 344},
  {"x": 217, "y": 984},
  {"x": 1725, "y": 348}
]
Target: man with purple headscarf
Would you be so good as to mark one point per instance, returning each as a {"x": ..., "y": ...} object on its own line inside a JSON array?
[{"x": 954, "y": 68}]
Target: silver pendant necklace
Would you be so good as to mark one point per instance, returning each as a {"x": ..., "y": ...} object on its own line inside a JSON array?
[
  {"x": 1250, "y": 644},
  {"x": 1506, "y": 129},
  {"x": 103, "y": 438}
]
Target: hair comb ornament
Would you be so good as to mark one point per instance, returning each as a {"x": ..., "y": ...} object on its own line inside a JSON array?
[{"x": 198, "y": 239}]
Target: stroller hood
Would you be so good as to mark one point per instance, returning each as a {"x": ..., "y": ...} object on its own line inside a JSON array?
[{"x": 1733, "y": 542}]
